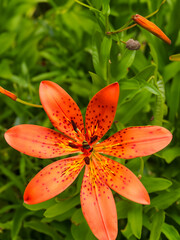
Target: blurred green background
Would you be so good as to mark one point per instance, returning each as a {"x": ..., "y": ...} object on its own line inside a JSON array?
[{"x": 65, "y": 42}]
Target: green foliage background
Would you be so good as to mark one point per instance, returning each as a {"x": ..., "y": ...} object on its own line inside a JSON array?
[{"x": 65, "y": 42}]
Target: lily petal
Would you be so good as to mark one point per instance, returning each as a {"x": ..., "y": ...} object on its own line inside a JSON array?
[
  {"x": 151, "y": 27},
  {"x": 101, "y": 112},
  {"x": 121, "y": 179},
  {"x": 53, "y": 179},
  {"x": 61, "y": 109},
  {"x": 38, "y": 141},
  {"x": 135, "y": 142},
  {"x": 98, "y": 205}
]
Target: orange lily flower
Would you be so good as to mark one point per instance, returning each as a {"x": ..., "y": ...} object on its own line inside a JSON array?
[
  {"x": 151, "y": 27},
  {"x": 101, "y": 172}
]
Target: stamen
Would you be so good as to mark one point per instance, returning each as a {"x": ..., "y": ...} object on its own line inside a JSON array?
[
  {"x": 93, "y": 138},
  {"x": 87, "y": 160},
  {"x": 73, "y": 145},
  {"x": 85, "y": 145},
  {"x": 74, "y": 126}
]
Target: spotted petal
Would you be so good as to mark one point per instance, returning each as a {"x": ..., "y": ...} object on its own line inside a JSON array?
[
  {"x": 38, "y": 141},
  {"x": 135, "y": 142},
  {"x": 121, "y": 179},
  {"x": 98, "y": 205},
  {"x": 53, "y": 179},
  {"x": 61, "y": 109},
  {"x": 101, "y": 111}
]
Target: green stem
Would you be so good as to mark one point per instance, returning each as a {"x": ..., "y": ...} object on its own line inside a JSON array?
[
  {"x": 87, "y": 6},
  {"x": 141, "y": 167},
  {"x": 124, "y": 28},
  {"x": 152, "y": 14},
  {"x": 29, "y": 104}
]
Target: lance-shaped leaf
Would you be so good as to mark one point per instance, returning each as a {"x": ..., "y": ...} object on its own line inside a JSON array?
[
  {"x": 121, "y": 179},
  {"x": 135, "y": 142},
  {"x": 151, "y": 27},
  {"x": 38, "y": 141},
  {"x": 53, "y": 179},
  {"x": 98, "y": 205},
  {"x": 101, "y": 111},
  {"x": 61, "y": 109}
]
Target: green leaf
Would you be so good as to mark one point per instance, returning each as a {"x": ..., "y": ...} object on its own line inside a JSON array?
[
  {"x": 5, "y": 70},
  {"x": 105, "y": 56},
  {"x": 153, "y": 52},
  {"x": 155, "y": 184},
  {"x": 18, "y": 218},
  {"x": 62, "y": 207},
  {"x": 77, "y": 217},
  {"x": 130, "y": 84},
  {"x": 135, "y": 219},
  {"x": 96, "y": 52},
  {"x": 125, "y": 62},
  {"x": 171, "y": 70},
  {"x": 170, "y": 232},
  {"x": 6, "y": 225},
  {"x": 139, "y": 100},
  {"x": 145, "y": 74},
  {"x": 46, "y": 76},
  {"x": 60, "y": 218},
  {"x": 13, "y": 177},
  {"x": 169, "y": 154},
  {"x": 165, "y": 199},
  {"x": 106, "y": 7},
  {"x": 159, "y": 107},
  {"x": 6, "y": 41},
  {"x": 122, "y": 209},
  {"x": 150, "y": 88},
  {"x": 157, "y": 222},
  {"x": 43, "y": 228},
  {"x": 127, "y": 231},
  {"x": 79, "y": 231},
  {"x": 39, "y": 206},
  {"x": 172, "y": 213},
  {"x": 175, "y": 97},
  {"x": 97, "y": 82}
]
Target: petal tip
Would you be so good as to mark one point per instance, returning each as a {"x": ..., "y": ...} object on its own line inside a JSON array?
[
  {"x": 7, "y": 136},
  {"x": 27, "y": 198},
  {"x": 147, "y": 200},
  {"x": 44, "y": 82},
  {"x": 114, "y": 88},
  {"x": 168, "y": 135}
]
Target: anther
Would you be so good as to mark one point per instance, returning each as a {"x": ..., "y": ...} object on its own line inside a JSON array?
[
  {"x": 85, "y": 145},
  {"x": 93, "y": 138},
  {"x": 73, "y": 145},
  {"x": 74, "y": 126},
  {"x": 87, "y": 160}
]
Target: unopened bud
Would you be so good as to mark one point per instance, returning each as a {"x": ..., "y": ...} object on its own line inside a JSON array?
[
  {"x": 7, "y": 93},
  {"x": 151, "y": 27},
  {"x": 132, "y": 44}
]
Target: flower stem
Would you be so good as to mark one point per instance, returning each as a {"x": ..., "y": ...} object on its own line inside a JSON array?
[
  {"x": 29, "y": 104},
  {"x": 126, "y": 27},
  {"x": 87, "y": 6},
  {"x": 141, "y": 167}
]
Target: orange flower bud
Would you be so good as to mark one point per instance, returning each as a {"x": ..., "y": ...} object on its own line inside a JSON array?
[
  {"x": 175, "y": 57},
  {"x": 151, "y": 27},
  {"x": 7, "y": 93}
]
